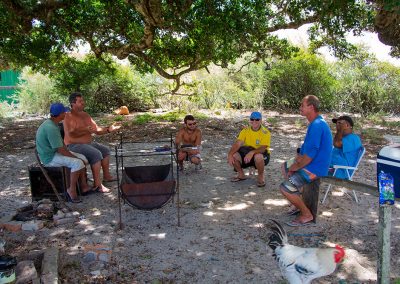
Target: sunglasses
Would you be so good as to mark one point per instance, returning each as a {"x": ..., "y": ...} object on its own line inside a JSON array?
[
  {"x": 190, "y": 124},
  {"x": 254, "y": 119}
]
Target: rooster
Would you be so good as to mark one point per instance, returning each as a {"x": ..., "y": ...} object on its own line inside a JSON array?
[{"x": 302, "y": 265}]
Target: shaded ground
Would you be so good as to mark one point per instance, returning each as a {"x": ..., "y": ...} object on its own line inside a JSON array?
[{"x": 222, "y": 237}]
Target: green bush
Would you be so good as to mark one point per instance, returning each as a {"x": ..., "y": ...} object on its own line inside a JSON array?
[
  {"x": 288, "y": 81},
  {"x": 36, "y": 92}
]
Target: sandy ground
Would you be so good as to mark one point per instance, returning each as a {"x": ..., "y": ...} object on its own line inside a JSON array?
[{"x": 223, "y": 232}]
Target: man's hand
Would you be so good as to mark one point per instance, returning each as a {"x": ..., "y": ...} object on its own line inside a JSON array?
[
  {"x": 248, "y": 157},
  {"x": 231, "y": 160},
  {"x": 113, "y": 128},
  {"x": 92, "y": 129}
]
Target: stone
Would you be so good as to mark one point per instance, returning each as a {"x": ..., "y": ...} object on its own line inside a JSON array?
[
  {"x": 50, "y": 266},
  {"x": 105, "y": 257},
  {"x": 65, "y": 221},
  {"x": 12, "y": 226},
  {"x": 34, "y": 225},
  {"x": 25, "y": 272},
  {"x": 90, "y": 256}
]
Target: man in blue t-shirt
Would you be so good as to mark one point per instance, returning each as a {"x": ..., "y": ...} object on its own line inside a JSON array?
[
  {"x": 346, "y": 145},
  {"x": 311, "y": 162}
]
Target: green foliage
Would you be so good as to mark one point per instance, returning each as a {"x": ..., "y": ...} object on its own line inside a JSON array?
[
  {"x": 143, "y": 118},
  {"x": 366, "y": 86},
  {"x": 5, "y": 110},
  {"x": 36, "y": 92},
  {"x": 372, "y": 135},
  {"x": 290, "y": 80},
  {"x": 105, "y": 84},
  {"x": 172, "y": 37}
]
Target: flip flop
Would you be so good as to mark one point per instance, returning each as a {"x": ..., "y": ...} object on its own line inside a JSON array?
[
  {"x": 261, "y": 184},
  {"x": 298, "y": 224},
  {"x": 236, "y": 179}
]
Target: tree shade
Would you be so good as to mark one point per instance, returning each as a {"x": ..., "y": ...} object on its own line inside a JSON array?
[{"x": 173, "y": 37}]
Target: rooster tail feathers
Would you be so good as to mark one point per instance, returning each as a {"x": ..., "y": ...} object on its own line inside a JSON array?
[{"x": 278, "y": 237}]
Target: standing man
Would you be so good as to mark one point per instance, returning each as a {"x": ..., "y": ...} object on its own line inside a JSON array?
[
  {"x": 251, "y": 149},
  {"x": 53, "y": 153},
  {"x": 188, "y": 137},
  {"x": 311, "y": 162},
  {"x": 79, "y": 127},
  {"x": 346, "y": 145}
]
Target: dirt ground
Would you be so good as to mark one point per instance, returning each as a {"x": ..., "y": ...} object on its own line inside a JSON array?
[{"x": 223, "y": 232}]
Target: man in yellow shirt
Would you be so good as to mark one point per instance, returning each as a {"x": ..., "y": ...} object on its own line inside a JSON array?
[{"x": 251, "y": 149}]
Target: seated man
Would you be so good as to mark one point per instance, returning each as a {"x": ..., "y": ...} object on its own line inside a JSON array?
[
  {"x": 251, "y": 149},
  {"x": 53, "y": 153},
  {"x": 187, "y": 137},
  {"x": 311, "y": 162},
  {"x": 78, "y": 128},
  {"x": 346, "y": 145}
]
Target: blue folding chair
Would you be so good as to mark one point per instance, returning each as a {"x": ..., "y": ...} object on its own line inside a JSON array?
[{"x": 349, "y": 173}]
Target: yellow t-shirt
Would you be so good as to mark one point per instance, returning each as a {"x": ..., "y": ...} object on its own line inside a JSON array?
[{"x": 255, "y": 139}]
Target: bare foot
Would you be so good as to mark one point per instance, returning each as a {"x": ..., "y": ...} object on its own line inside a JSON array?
[
  {"x": 303, "y": 219},
  {"x": 103, "y": 189}
]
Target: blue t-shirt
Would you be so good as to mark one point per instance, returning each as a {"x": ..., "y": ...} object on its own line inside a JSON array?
[
  {"x": 318, "y": 146},
  {"x": 347, "y": 155}
]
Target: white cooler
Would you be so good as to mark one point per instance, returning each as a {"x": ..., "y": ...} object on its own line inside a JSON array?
[{"x": 388, "y": 161}]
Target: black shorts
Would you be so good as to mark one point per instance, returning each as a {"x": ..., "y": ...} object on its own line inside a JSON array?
[{"x": 244, "y": 150}]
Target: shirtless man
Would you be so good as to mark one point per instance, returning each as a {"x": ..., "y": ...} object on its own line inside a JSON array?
[
  {"x": 79, "y": 127},
  {"x": 188, "y": 136}
]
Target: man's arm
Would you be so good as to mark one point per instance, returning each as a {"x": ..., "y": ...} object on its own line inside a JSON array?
[
  {"x": 178, "y": 138},
  {"x": 300, "y": 162},
  {"x": 235, "y": 147},
  {"x": 198, "y": 138},
  {"x": 338, "y": 139}
]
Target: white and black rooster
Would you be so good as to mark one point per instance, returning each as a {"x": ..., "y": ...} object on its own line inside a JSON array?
[{"x": 302, "y": 265}]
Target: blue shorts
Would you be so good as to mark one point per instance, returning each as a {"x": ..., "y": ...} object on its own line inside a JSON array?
[
  {"x": 94, "y": 152},
  {"x": 297, "y": 180},
  {"x": 75, "y": 164}
]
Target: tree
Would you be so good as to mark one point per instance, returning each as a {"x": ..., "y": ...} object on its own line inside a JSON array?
[{"x": 173, "y": 37}]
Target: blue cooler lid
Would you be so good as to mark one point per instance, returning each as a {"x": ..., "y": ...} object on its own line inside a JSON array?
[{"x": 389, "y": 153}]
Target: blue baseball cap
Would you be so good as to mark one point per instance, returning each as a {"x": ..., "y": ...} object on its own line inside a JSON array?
[
  {"x": 255, "y": 115},
  {"x": 58, "y": 108}
]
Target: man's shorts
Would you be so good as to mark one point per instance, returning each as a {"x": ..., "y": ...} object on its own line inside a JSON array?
[
  {"x": 75, "y": 164},
  {"x": 94, "y": 152},
  {"x": 244, "y": 150},
  {"x": 297, "y": 180}
]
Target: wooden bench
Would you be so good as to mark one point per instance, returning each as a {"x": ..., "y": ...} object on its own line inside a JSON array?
[{"x": 311, "y": 197}]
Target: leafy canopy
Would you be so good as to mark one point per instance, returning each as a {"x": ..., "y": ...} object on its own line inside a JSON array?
[{"x": 173, "y": 37}]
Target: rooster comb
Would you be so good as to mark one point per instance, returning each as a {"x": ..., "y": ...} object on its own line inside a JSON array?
[{"x": 339, "y": 253}]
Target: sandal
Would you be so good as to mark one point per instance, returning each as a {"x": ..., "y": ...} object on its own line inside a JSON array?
[{"x": 236, "y": 179}]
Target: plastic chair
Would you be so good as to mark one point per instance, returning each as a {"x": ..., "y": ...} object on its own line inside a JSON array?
[{"x": 349, "y": 172}]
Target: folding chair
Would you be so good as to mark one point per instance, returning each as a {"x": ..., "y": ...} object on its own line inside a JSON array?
[{"x": 349, "y": 173}]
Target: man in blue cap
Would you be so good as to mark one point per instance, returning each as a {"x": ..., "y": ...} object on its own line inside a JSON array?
[
  {"x": 53, "y": 152},
  {"x": 251, "y": 149}
]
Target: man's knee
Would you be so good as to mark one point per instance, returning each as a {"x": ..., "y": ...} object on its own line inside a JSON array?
[
  {"x": 77, "y": 165},
  {"x": 195, "y": 160}
]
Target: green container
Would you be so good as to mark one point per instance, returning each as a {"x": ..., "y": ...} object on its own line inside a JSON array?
[{"x": 8, "y": 83}]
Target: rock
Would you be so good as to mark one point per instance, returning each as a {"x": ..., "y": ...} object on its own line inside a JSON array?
[
  {"x": 34, "y": 225},
  {"x": 50, "y": 266},
  {"x": 25, "y": 272}
]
